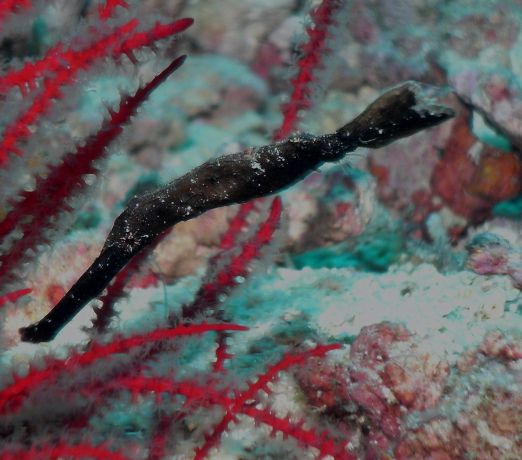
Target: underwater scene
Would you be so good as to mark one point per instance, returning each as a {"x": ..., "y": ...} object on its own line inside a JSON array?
[{"x": 261, "y": 229}]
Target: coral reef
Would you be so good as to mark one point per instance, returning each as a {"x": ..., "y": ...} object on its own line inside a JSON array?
[
  {"x": 388, "y": 376},
  {"x": 370, "y": 311}
]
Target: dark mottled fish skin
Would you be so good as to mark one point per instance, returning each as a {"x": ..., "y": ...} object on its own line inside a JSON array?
[{"x": 237, "y": 178}]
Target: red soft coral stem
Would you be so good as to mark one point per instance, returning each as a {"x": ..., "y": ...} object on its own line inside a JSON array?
[
  {"x": 19, "y": 129},
  {"x": 106, "y": 10},
  {"x": 250, "y": 250},
  {"x": 161, "y": 437},
  {"x": 66, "y": 65},
  {"x": 309, "y": 438},
  {"x": 236, "y": 226},
  {"x": 8, "y": 7},
  {"x": 313, "y": 53},
  {"x": 12, "y": 397},
  {"x": 25, "y": 77},
  {"x": 221, "y": 353},
  {"x": 289, "y": 360},
  {"x": 48, "y": 197},
  {"x": 13, "y": 296},
  {"x": 57, "y": 58},
  {"x": 227, "y": 278},
  {"x": 156, "y": 33},
  {"x": 203, "y": 395},
  {"x": 48, "y": 452}
]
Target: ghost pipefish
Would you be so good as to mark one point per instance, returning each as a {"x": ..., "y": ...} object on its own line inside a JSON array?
[{"x": 237, "y": 178}]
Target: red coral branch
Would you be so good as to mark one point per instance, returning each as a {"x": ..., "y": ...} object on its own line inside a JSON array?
[
  {"x": 204, "y": 395},
  {"x": 8, "y": 7},
  {"x": 58, "y": 58},
  {"x": 161, "y": 436},
  {"x": 235, "y": 227},
  {"x": 106, "y": 10},
  {"x": 25, "y": 77},
  {"x": 20, "y": 128},
  {"x": 12, "y": 397},
  {"x": 13, "y": 296},
  {"x": 306, "y": 437},
  {"x": 228, "y": 278},
  {"x": 261, "y": 383},
  {"x": 221, "y": 353},
  {"x": 313, "y": 53},
  {"x": 151, "y": 36},
  {"x": 238, "y": 266},
  {"x": 65, "y": 66}
]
